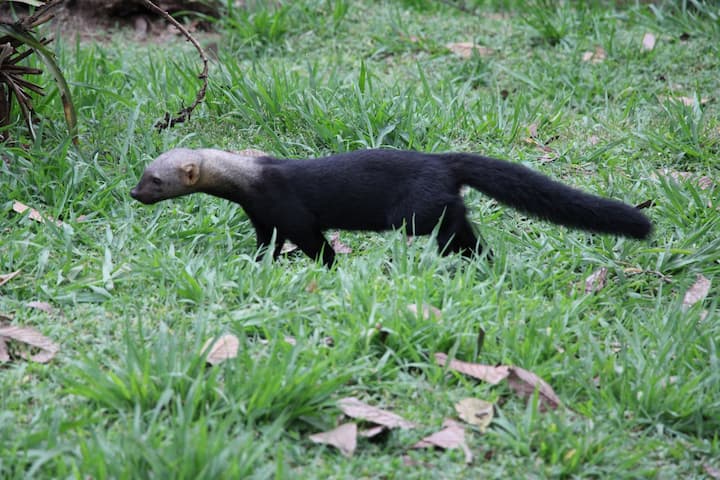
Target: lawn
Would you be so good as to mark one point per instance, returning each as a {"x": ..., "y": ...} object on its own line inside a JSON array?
[{"x": 569, "y": 90}]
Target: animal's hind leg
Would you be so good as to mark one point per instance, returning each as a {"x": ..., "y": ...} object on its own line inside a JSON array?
[{"x": 456, "y": 235}]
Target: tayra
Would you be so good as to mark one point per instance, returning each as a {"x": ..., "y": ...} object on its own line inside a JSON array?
[{"x": 376, "y": 190}]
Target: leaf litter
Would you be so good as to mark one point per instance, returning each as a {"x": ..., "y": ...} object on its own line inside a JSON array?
[
  {"x": 354, "y": 408},
  {"x": 344, "y": 438},
  {"x": 6, "y": 277},
  {"x": 427, "y": 311},
  {"x": 476, "y": 412},
  {"x": 451, "y": 436},
  {"x": 697, "y": 291},
  {"x": 29, "y": 337},
  {"x": 521, "y": 381},
  {"x": 218, "y": 350}
]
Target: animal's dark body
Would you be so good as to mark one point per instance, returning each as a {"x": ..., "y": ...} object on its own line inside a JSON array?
[{"x": 376, "y": 190}]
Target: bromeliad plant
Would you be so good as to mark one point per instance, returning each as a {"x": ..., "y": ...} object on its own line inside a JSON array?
[{"x": 18, "y": 40}]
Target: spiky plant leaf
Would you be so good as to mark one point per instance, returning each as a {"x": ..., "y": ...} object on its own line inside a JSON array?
[{"x": 17, "y": 83}]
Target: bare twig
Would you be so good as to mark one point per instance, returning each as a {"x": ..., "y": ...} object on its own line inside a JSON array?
[{"x": 183, "y": 114}]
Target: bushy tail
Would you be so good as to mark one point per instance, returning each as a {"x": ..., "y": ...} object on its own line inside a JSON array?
[{"x": 533, "y": 193}]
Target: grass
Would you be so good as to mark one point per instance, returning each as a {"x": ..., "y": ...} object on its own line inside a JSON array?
[{"x": 139, "y": 289}]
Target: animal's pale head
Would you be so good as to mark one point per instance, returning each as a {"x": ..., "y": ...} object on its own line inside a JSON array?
[{"x": 172, "y": 174}]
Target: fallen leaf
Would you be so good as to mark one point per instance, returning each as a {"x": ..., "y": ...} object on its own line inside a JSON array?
[
  {"x": 597, "y": 56},
  {"x": 344, "y": 438},
  {"x": 4, "y": 355},
  {"x": 532, "y": 130},
  {"x": 687, "y": 101},
  {"x": 596, "y": 281},
  {"x": 524, "y": 383},
  {"x": 6, "y": 277},
  {"x": 354, "y": 408},
  {"x": 705, "y": 183},
  {"x": 337, "y": 245},
  {"x": 288, "y": 247},
  {"x": 312, "y": 287},
  {"x": 34, "y": 214},
  {"x": 633, "y": 271},
  {"x": 646, "y": 204},
  {"x": 372, "y": 432},
  {"x": 697, "y": 291},
  {"x": 648, "y": 42},
  {"x": 451, "y": 436},
  {"x": 711, "y": 471},
  {"x": 466, "y": 49},
  {"x": 475, "y": 412},
  {"x": 4, "y": 317},
  {"x": 427, "y": 310},
  {"x": 487, "y": 373},
  {"x": 671, "y": 380},
  {"x": 30, "y": 336},
  {"x": 224, "y": 348},
  {"x": 251, "y": 152},
  {"x": 44, "y": 306}
]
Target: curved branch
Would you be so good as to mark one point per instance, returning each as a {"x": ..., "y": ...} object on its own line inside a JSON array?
[{"x": 183, "y": 114}]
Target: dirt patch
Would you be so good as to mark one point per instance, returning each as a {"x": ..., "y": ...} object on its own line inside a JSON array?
[{"x": 102, "y": 20}]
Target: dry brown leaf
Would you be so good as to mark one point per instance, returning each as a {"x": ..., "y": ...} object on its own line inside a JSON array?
[
  {"x": 451, "y": 436},
  {"x": 44, "y": 306},
  {"x": 597, "y": 56},
  {"x": 475, "y": 412},
  {"x": 4, "y": 355},
  {"x": 648, "y": 42},
  {"x": 466, "y": 49},
  {"x": 697, "y": 291},
  {"x": 224, "y": 348},
  {"x": 337, "y": 245},
  {"x": 372, "y": 432},
  {"x": 344, "y": 438},
  {"x": 633, "y": 271},
  {"x": 312, "y": 287},
  {"x": 596, "y": 281},
  {"x": 712, "y": 471},
  {"x": 487, "y": 373},
  {"x": 6, "y": 277},
  {"x": 30, "y": 336},
  {"x": 288, "y": 247},
  {"x": 525, "y": 382},
  {"x": 687, "y": 101},
  {"x": 532, "y": 130},
  {"x": 354, "y": 408},
  {"x": 705, "y": 183},
  {"x": 34, "y": 214},
  {"x": 427, "y": 311},
  {"x": 4, "y": 317}
]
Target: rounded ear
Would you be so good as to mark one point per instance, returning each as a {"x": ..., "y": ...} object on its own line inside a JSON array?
[{"x": 190, "y": 173}]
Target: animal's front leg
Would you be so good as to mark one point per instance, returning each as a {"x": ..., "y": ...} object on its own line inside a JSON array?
[
  {"x": 265, "y": 242},
  {"x": 314, "y": 243}
]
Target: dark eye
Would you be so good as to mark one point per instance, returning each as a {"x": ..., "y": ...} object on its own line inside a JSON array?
[{"x": 156, "y": 181}]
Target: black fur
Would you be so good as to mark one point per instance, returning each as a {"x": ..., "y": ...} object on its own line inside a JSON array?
[{"x": 386, "y": 189}]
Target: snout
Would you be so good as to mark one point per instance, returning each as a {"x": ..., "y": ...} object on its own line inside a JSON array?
[{"x": 141, "y": 196}]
